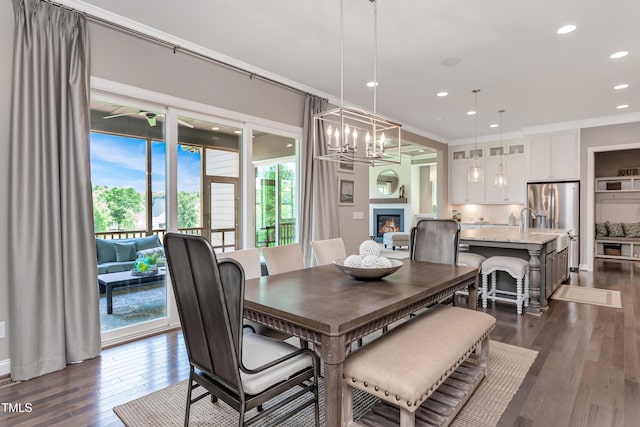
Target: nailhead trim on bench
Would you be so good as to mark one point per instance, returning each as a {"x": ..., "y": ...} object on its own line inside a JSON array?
[{"x": 433, "y": 387}]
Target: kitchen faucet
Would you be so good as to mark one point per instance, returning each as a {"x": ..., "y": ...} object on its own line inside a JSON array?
[{"x": 524, "y": 223}]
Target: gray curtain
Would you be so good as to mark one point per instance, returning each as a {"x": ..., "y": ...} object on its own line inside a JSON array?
[
  {"x": 320, "y": 219},
  {"x": 53, "y": 290}
]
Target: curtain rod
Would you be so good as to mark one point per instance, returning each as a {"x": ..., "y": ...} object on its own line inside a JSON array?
[{"x": 177, "y": 48}]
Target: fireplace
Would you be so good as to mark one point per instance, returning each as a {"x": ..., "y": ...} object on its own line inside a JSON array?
[{"x": 387, "y": 220}]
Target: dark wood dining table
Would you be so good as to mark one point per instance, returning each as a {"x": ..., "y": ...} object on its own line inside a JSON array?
[{"x": 331, "y": 310}]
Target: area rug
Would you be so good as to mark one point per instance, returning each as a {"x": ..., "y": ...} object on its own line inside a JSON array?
[
  {"x": 508, "y": 366},
  {"x": 603, "y": 297},
  {"x": 133, "y": 304}
]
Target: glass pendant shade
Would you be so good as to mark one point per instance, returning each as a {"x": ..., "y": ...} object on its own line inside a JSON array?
[
  {"x": 475, "y": 171},
  {"x": 500, "y": 180}
]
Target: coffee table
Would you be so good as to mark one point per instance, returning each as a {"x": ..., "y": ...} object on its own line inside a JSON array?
[{"x": 126, "y": 278}]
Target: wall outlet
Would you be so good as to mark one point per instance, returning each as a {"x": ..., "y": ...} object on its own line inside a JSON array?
[
  {"x": 2, "y": 331},
  {"x": 358, "y": 215}
]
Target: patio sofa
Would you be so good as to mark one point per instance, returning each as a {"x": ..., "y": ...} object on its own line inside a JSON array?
[{"x": 120, "y": 254}]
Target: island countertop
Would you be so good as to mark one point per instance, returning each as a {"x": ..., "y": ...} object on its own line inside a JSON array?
[{"x": 538, "y": 236}]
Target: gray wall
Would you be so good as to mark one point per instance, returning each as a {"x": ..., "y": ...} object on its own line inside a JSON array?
[{"x": 6, "y": 52}]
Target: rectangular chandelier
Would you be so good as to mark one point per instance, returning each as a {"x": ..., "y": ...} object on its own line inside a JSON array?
[{"x": 350, "y": 135}]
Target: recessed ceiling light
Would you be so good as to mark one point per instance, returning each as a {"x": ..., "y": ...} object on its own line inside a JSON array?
[
  {"x": 623, "y": 106},
  {"x": 494, "y": 125},
  {"x": 471, "y": 113},
  {"x": 621, "y": 86},
  {"x": 420, "y": 151},
  {"x": 566, "y": 29},
  {"x": 441, "y": 94},
  {"x": 372, "y": 84},
  {"x": 619, "y": 55},
  {"x": 289, "y": 145},
  {"x": 215, "y": 128},
  {"x": 237, "y": 131}
]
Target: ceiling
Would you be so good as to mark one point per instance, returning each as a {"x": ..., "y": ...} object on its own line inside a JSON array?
[{"x": 508, "y": 49}]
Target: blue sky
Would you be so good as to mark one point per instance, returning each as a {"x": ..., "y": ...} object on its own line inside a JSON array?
[{"x": 118, "y": 161}]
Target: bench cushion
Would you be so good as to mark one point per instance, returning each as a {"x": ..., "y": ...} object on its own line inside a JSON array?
[{"x": 408, "y": 363}]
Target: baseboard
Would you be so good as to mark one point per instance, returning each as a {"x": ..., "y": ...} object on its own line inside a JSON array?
[{"x": 5, "y": 367}]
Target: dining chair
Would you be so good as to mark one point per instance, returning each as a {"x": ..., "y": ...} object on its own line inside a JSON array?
[
  {"x": 249, "y": 259},
  {"x": 282, "y": 259},
  {"x": 435, "y": 240},
  {"x": 243, "y": 370},
  {"x": 326, "y": 251}
]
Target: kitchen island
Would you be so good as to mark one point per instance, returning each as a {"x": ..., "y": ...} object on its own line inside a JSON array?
[{"x": 545, "y": 249}]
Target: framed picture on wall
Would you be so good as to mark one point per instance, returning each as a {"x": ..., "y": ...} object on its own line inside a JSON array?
[
  {"x": 345, "y": 166},
  {"x": 345, "y": 191}
]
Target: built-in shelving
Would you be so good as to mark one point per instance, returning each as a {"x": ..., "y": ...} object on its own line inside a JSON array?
[
  {"x": 617, "y": 198},
  {"x": 618, "y": 184}
]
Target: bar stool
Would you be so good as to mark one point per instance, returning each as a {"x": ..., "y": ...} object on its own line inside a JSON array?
[
  {"x": 469, "y": 259},
  {"x": 517, "y": 268}
]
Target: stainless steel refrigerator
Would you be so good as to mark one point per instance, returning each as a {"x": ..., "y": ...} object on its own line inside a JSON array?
[{"x": 557, "y": 205}]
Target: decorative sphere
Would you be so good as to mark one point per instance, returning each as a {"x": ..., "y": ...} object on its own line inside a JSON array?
[
  {"x": 353, "y": 261},
  {"x": 369, "y": 261},
  {"x": 383, "y": 262},
  {"x": 369, "y": 247}
]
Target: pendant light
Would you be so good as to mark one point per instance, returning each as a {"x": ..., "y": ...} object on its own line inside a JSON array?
[
  {"x": 500, "y": 180},
  {"x": 352, "y": 135},
  {"x": 475, "y": 170}
]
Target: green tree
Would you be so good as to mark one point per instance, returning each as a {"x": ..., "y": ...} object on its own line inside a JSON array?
[
  {"x": 101, "y": 214},
  {"x": 123, "y": 204},
  {"x": 188, "y": 209}
]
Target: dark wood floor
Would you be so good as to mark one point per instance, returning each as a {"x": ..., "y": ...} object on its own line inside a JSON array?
[{"x": 586, "y": 373}]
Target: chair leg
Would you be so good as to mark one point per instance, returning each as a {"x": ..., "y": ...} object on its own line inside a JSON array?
[
  {"x": 188, "y": 410},
  {"x": 519, "y": 296},
  {"x": 484, "y": 290},
  {"x": 526, "y": 290},
  {"x": 494, "y": 284}
]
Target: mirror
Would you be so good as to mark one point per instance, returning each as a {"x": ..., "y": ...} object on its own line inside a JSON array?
[{"x": 387, "y": 182}]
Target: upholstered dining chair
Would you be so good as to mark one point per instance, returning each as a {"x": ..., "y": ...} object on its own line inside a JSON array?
[
  {"x": 249, "y": 259},
  {"x": 326, "y": 251},
  {"x": 435, "y": 240},
  {"x": 282, "y": 259},
  {"x": 244, "y": 370}
]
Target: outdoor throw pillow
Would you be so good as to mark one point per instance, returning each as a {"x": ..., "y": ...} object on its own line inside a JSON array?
[
  {"x": 125, "y": 251},
  {"x": 148, "y": 242},
  {"x": 601, "y": 230},
  {"x": 615, "y": 229},
  {"x": 632, "y": 229}
]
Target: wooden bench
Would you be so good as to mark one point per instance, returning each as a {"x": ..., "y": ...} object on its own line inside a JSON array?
[{"x": 426, "y": 368}]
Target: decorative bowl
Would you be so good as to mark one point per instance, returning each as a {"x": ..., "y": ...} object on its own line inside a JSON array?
[{"x": 368, "y": 273}]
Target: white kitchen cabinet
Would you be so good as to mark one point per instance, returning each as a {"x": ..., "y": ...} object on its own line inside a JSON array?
[{"x": 554, "y": 156}]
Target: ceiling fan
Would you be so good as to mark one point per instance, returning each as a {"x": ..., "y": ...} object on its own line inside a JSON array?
[{"x": 149, "y": 115}]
